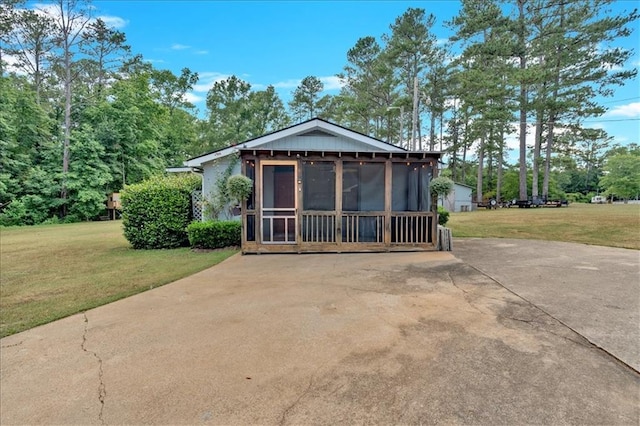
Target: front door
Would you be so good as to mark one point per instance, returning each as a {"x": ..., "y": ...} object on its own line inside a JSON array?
[{"x": 279, "y": 218}]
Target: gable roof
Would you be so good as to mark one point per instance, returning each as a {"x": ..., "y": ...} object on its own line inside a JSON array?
[{"x": 312, "y": 127}]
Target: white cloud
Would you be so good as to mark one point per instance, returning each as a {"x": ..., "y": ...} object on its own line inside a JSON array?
[
  {"x": 53, "y": 11},
  {"x": 287, "y": 84},
  {"x": 114, "y": 21},
  {"x": 194, "y": 99},
  {"x": 631, "y": 110},
  {"x": 178, "y": 46},
  {"x": 332, "y": 82},
  {"x": 207, "y": 79},
  {"x": 11, "y": 62},
  {"x": 201, "y": 52}
]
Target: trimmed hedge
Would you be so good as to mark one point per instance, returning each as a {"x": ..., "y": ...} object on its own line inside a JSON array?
[
  {"x": 214, "y": 234},
  {"x": 156, "y": 212},
  {"x": 443, "y": 216}
]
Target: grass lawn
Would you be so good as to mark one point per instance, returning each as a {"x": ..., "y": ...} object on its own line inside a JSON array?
[
  {"x": 49, "y": 272},
  {"x": 614, "y": 225}
]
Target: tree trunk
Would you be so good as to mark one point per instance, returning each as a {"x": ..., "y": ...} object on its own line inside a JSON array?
[
  {"x": 547, "y": 158},
  {"x": 67, "y": 126},
  {"x": 464, "y": 149},
  {"x": 500, "y": 166},
  {"x": 480, "y": 170},
  {"x": 432, "y": 132},
  {"x": 536, "y": 156}
]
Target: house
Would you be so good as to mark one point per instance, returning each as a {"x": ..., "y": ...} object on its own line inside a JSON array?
[
  {"x": 320, "y": 187},
  {"x": 458, "y": 200}
]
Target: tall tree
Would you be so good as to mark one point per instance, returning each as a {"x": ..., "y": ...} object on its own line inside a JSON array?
[
  {"x": 171, "y": 89},
  {"x": 410, "y": 48},
  {"x": 579, "y": 62},
  {"x": 70, "y": 18},
  {"x": 267, "y": 112},
  {"x": 7, "y": 24},
  {"x": 520, "y": 52},
  {"x": 31, "y": 43},
  {"x": 304, "y": 104},
  {"x": 106, "y": 48},
  {"x": 227, "y": 102},
  {"x": 484, "y": 91},
  {"x": 370, "y": 90}
]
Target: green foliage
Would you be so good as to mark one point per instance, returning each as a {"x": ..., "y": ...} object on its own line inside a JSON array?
[
  {"x": 26, "y": 210},
  {"x": 511, "y": 56},
  {"x": 304, "y": 104},
  {"x": 157, "y": 211},
  {"x": 88, "y": 176},
  {"x": 441, "y": 186},
  {"x": 214, "y": 234},
  {"x": 443, "y": 216},
  {"x": 239, "y": 188},
  {"x": 218, "y": 202},
  {"x": 622, "y": 176},
  {"x": 577, "y": 197}
]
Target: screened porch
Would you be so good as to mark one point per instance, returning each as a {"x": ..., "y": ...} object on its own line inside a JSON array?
[{"x": 339, "y": 202}]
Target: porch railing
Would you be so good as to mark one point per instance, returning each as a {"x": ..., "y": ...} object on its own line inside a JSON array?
[
  {"x": 318, "y": 227},
  {"x": 412, "y": 228},
  {"x": 359, "y": 227}
]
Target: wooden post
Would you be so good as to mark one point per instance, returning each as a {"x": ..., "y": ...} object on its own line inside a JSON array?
[
  {"x": 338, "y": 212},
  {"x": 388, "y": 169}
]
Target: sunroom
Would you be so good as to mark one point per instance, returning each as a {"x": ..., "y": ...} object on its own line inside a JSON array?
[
  {"x": 307, "y": 201},
  {"x": 321, "y": 187}
]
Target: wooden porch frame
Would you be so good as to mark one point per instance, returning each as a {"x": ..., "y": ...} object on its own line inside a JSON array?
[{"x": 420, "y": 218}]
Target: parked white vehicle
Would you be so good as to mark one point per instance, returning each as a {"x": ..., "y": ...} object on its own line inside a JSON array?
[{"x": 598, "y": 199}]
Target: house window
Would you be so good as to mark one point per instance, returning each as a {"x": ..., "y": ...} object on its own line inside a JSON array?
[
  {"x": 362, "y": 186},
  {"x": 410, "y": 187}
]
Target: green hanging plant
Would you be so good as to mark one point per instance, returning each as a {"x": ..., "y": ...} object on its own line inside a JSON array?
[
  {"x": 441, "y": 186},
  {"x": 239, "y": 188}
]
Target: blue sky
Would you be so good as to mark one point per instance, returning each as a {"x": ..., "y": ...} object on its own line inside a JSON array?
[{"x": 280, "y": 42}]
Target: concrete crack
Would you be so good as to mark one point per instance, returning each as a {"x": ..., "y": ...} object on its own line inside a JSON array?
[
  {"x": 464, "y": 294},
  {"x": 590, "y": 343},
  {"x": 102, "y": 390},
  {"x": 283, "y": 419},
  {"x": 540, "y": 326},
  {"x": 12, "y": 346}
]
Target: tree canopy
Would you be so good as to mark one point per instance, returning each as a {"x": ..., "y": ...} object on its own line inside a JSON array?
[{"x": 82, "y": 115}]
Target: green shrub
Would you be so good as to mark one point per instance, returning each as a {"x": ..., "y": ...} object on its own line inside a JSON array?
[
  {"x": 443, "y": 216},
  {"x": 26, "y": 210},
  {"x": 214, "y": 234},
  {"x": 156, "y": 212}
]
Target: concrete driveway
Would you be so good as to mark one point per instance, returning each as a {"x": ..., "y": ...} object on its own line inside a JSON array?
[
  {"x": 593, "y": 290},
  {"x": 398, "y": 338}
]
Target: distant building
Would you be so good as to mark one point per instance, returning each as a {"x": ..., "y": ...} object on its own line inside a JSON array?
[{"x": 458, "y": 200}]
